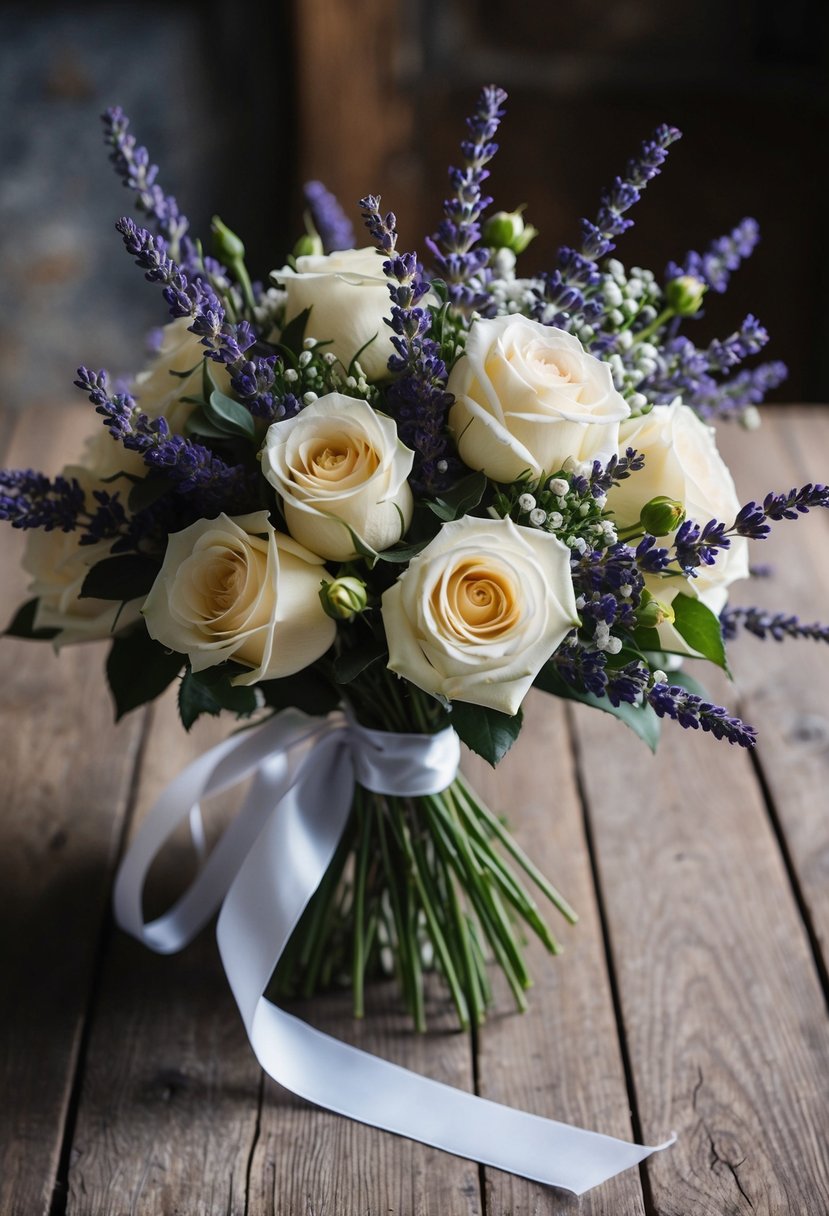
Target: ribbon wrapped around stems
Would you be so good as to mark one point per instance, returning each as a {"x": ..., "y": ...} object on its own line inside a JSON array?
[{"x": 262, "y": 873}]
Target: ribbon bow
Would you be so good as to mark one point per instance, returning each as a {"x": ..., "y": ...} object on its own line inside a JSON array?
[{"x": 262, "y": 873}]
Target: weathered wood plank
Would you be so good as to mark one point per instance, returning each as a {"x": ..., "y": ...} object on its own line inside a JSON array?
[
  {"x": 562, "y": 1057},
  {"x": 723, "y": 1015},
  {"x": 314, "y": 1162},
  {"x": 168, "y": 1109},
  {"x": 783, "y": 686},
  {"x": 65, "y": 775}
]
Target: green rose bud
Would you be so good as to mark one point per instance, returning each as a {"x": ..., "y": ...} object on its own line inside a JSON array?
[
  {"x": 661, "y": 515},
  {"x": 652, "y": 612},
  {"x": 226, "y": 244},
  {"x": 344, "y": 598},
  {"x": 684, "y": 295},
  {"x": 507, "y": 230},
  {"x": 308, "y": 245}
]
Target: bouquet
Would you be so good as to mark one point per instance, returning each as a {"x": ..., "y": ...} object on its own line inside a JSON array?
[{"x": 401, "y": 493}]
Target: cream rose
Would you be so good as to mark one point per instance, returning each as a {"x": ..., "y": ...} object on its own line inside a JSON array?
[
  {"x": 348, "y": 296},
  {"x": 528, "y": 396},
  {"x": 237, "y": 589},
  {"x": 683, "y": 463},
  {"x": 479, "y": 611},
  {"x": 59, "y": 565},
  {"x": 337, "y": 463}
]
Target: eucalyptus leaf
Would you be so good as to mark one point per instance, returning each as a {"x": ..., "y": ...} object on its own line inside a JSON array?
[
  {"x": 229, "y": 416},
  {"x": 462, "y": 498},
  {"x": 487, "y": 732}
]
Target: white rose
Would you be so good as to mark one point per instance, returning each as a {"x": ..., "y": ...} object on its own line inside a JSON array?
[
  {"x": 683, "y": 463},
  {"x": 528, "y": 396},
  {"x": 479, "y": 611},
  {"x": 348, "y": 296},
  {"x": 237, "y": 589},
  {"x": 59, "y": 565},
  {"x": 338, "y": 460}
]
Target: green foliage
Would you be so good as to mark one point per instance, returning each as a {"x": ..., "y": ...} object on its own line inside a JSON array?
[
  {"x": 139, "y": 669},
  {"x": 128, "y": 576},
  {"x": 641, "y": 719},
  {"x": 487, "y": 732},
  {"x": 461, "y": 498},
  {"x": 23, "y": 625},
  {"x": 700, "y": 628},
  {"x": 211, "y": 691}
]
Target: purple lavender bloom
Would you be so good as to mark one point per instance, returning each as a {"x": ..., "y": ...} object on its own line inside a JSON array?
[
  {"x": 723, "y": 256},
  {"x": 329, "y": 219},
  {"x": 693, "y": 713},
  {"x": 763, "y": 624},
  {"x": 132, "y": 164},
  {"x": 457, "y": 261},
  {"x": 29, "y": 499},
  {"x": 417, "y": 399},
  {"x": 752, "y": 518},
  {"x": 564, "y": 298}
]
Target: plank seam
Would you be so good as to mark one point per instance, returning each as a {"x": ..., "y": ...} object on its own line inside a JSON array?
[
  {"x": 791, "y": 872},
  {"x": 615, "y": 994},
  {"x": 60, "y": 1190},
  {"x": 257, "y": 1130}
]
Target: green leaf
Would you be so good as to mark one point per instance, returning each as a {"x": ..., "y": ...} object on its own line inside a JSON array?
[
  {"x": 402, "y": 553},
  {"x": 486, "y": 731},
  {"x": 229, "y": 417},
  {"x": 294, "y": 332},
  {"x": 641, "y": 719},
  {"x": 349, "y": 665},
  {"x": 23, "y": 625},
  {"x": 199, "y": 424},
  {"x": 128, "y": 576},
  {"x": 210, "y": 691},
  {"x": 138, "y": 670},
  {"x": 700, "y": 628},
  {"x": 308, "y": 691},
  {"x": 461, "y": 499}
]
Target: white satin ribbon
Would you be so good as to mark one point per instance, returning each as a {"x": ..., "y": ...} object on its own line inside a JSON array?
[{"x": 263, "y": 872}]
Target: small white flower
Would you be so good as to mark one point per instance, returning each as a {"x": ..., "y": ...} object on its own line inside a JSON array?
[
  {"x": 626, "y": 591},
  {"x": 613, "y": 645},
  {"x": 305, "y": 357},
  {"x": 526, "y": 502},
  {"x": 750, "y": 418},
  {"x": 309, "y": 398},
  {"x": 291, "y": 375},
  {"x": 555, "y": 519},
  {"x": 558, "y": 486},
  {"x": 659, "y": 677},
  {"x": 538, "y": 517}
]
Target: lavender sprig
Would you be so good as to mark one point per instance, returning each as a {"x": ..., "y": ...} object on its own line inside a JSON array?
[
  {"x": 190, "y": 467},
  {"x": 753, "y": 517},
  {"x": 332, "y": 224},
  {"x": 417, "y": 398},
  {"x": 29, "y": 499},
  {"x": 568, "y": 297},
  {"x": 763, "y": 624},
  {"x": 457, "y": 261},
  {"x": 693, "y": 713},
  {"x": 132, "y": 163},
  {"x": 722, "y": 257}
]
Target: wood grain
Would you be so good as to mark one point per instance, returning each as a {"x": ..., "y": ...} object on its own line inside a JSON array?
[
  {"x": 723, "y": 1015},
  {"x": 65, "y": 776},
  {"x": 783, "y": 686},
  {"x": 168, "y": 1110},
  {"x": 562, "y": 1057}
]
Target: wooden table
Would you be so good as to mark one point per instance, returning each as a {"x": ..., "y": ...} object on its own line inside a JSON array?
[{"x": 691, "y": 996}]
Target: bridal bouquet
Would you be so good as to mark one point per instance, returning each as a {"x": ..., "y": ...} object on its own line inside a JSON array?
[{"x": 405, "y": 492}]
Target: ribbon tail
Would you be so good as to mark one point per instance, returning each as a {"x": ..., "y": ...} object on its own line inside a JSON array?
[{"x": 261, "y": 910}]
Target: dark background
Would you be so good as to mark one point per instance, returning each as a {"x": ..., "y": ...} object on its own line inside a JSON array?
[{"x": 370, "y": 95}]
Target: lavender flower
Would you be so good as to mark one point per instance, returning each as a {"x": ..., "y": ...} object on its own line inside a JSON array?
[
  {"x": 564, "y": 297},
  {"x": 752, "y": 519},
  {"x": 723, "y": 256},
  {"x": 693, "y": 713},
  {"x": 457, "y": 261},
  {"x": 329, "y": 219},
  {"x": 29, "y": 499},
  {"x": 763, "y": 624}
]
